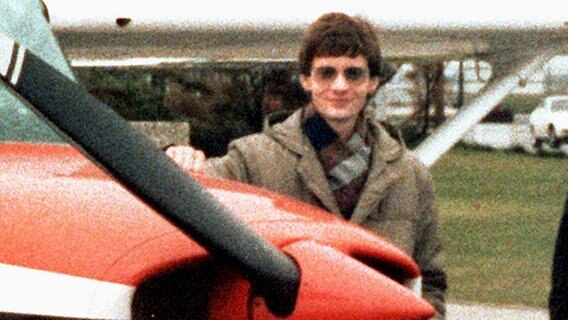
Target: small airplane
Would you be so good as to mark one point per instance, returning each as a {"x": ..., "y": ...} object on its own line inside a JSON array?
[
  {"x": 107, "y": 227},
  {"x": 81, "y": 245}
]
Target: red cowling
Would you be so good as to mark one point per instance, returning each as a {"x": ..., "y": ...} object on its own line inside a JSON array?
[
  {"x": 334, "y": 286},
  {"x": 60, "y": 214}
]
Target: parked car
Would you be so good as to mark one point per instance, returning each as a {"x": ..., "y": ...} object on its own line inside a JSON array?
[{"x": 549, "y": 121}]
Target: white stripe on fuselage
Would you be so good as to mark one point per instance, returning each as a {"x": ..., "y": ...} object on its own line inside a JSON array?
[
  {"x": 11, "y": 59},
  {"x": 31, "y": 291},
  {"x": 6, "y": 54}
]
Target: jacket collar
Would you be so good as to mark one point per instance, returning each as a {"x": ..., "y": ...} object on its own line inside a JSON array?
[
  {"x": 289, "y": 134},
  {"x": 385, "y": 149},
  {"x": 381, "y": 176}
]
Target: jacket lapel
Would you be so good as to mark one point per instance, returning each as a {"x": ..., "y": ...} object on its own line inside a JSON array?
[
  {"x": 381, "y": 175},
  {"x": 311, "y": 172},
  {"x": 289, "y": 134}
]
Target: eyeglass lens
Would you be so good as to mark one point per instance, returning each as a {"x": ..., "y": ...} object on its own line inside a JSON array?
[{"x": 352, "y": 74}]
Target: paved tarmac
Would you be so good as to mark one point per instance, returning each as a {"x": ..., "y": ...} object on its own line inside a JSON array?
[{"x": 485, "y": 311}]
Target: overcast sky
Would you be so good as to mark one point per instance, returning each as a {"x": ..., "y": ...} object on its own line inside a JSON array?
[{"x": 479, "y": 11}]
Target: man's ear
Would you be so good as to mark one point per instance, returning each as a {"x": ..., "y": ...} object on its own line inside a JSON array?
[
  {"x": 306, "y": 83},
  {"x": 373, "y": 85}
]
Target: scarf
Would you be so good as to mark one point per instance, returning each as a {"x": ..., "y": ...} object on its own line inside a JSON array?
[{"x": 346, "y": 165}]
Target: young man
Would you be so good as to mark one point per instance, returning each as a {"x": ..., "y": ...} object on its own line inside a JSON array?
[{"x": 331, "y": 152}]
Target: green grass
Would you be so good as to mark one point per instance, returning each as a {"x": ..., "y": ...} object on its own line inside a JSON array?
[
  {"x": 520, "y": 103},
  {"x": 499, "y": 213}
]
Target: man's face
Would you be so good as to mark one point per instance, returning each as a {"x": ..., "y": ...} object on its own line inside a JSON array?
[{"x": 339, "y": 86}]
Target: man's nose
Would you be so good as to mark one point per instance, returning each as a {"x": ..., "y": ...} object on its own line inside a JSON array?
[{"x": 340, "y": 82}]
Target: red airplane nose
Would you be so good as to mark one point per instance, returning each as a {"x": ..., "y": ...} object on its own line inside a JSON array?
[{"x": 333, "y": 286}]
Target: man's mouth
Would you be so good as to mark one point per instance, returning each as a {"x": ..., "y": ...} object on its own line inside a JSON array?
[{"x": 340, "y": 101}]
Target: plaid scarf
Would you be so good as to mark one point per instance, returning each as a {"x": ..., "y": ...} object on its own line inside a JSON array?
[{"x": 346, "y": 164}]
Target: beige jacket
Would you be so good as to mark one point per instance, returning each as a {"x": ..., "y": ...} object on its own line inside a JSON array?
[{"x": 397, "y": 200}]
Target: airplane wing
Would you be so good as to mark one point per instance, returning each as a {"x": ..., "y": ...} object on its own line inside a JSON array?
[
  {"x": 216, "y": 30},
  {"x": 126, "y": 34}
]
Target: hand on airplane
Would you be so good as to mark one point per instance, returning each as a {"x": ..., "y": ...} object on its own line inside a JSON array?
[{"x": 187, "y": 157}]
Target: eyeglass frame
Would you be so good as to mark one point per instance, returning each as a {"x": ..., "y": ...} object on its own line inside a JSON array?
[{"x": 328, "y": 74}]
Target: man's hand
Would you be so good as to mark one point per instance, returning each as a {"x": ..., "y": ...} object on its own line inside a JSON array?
[{"x": 187, "y": 157}]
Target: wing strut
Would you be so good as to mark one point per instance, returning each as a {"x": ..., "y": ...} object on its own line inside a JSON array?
[{"x": 448, "y": 134}]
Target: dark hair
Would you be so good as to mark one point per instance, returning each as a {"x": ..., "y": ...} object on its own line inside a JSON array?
[{"x": 337, "y": 34}]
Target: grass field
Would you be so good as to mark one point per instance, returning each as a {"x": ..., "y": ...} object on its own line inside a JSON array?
[
  {"x": 521, "y": 103},
  {"x": 499, "y": 213}
]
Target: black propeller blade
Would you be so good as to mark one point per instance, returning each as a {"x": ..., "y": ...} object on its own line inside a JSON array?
[{"x": 142, "y": 167}]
